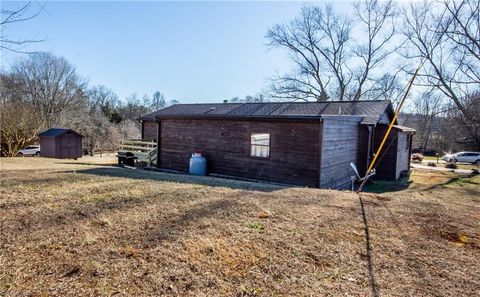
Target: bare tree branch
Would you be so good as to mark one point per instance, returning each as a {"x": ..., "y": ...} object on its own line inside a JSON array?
[
  {"x": 438, "y": 37},
  {"x": 24, "y": 13},
  {"x": 323, "y": 51}
]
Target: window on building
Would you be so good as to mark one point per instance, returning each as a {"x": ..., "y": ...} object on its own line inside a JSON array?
[{"x": 260, "y": 145}]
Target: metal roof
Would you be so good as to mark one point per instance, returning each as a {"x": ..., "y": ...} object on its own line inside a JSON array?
[
  {"x": 404, "y": 129},
  {"x": 369, "y": 121},
  {"x": 372, "y": 110},
  {"x": 54, "y": 132}
]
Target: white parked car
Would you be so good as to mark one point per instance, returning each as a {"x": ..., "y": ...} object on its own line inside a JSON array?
[
  {"x": 31, "y": 150},
  {"x": 463, "y": 157}
]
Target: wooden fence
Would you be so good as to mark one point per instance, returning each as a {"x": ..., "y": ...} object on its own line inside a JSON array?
[{"x": 144, "y": 151}]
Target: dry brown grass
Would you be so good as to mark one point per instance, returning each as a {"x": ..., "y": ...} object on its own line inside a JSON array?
[
  {"x": 34, "y": 163},
  {"x": 83, "y": 229}
]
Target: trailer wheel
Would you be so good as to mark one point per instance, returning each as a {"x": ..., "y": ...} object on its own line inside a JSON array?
[
  {"x": 121, "y": 160},
  {"x": 130, "y": 159}
]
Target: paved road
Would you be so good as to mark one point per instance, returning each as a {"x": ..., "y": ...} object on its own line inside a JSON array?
[{"x": 465, "y": 171}]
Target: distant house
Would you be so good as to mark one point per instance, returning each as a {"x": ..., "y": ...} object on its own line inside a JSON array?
[
  {"x": 60, "y": 143},
  {"x": 308, "y": 144}
]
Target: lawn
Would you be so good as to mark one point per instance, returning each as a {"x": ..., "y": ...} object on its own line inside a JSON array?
[
  {"x": 76, "y": 228},
  {"x": 441, "y": 163}
]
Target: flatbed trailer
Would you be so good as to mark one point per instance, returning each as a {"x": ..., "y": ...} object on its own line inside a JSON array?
[{"x": 130, "y": 151}]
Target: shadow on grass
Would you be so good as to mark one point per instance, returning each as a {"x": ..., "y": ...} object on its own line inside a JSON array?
[
  {"x": 382, "y": 186},
  {"x": 28, "y": 223},
  {"x": 368, "y": 248},
  {"x": 465, "y": 183},
  {"x": 140, "y": 174},
  {"x": 168, "y": 227},
  {"x": 87, "y": 163}
]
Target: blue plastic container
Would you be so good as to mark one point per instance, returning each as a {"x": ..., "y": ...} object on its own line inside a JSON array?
[{"x": 198, "y": 165}]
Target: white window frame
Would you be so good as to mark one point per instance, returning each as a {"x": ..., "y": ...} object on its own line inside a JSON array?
[{"x": 254, "y": 151}]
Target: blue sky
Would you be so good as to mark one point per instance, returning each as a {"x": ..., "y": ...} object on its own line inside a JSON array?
[{"x": 190, "y": 51}]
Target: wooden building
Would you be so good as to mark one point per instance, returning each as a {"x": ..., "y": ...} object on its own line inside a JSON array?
[
  {"x": 308, "y": 144},
  {"x": 60, "y": 143}
]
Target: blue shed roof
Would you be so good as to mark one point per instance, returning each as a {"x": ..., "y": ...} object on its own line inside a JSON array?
[{"x": 54, "y": 132}]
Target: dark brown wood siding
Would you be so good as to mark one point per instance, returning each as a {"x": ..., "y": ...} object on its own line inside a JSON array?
[
  {"x": 65, "y": 146},
  {"x": 364, "y": 148},
  {"x": 149, "y": 130},
  {"x": 340, "y": 138},
  {"x": 69, "y": 146},
  {"x": 386, "y": 163},
  {"x": 294, "y": 149},
  {"x": 47, "y": 147},
  {"x": 394, "y": 159}
]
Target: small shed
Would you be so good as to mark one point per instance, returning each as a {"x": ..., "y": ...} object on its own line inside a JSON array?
[{"x": 60, "y": 143}]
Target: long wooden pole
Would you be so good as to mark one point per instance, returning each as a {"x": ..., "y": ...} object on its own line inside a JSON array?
[{"x": 392, "y": 123}]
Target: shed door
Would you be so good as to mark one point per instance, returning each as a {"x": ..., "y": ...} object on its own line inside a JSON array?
[
  {"x": 68, "y": 146},
  {"x": 403, "y": 157}
]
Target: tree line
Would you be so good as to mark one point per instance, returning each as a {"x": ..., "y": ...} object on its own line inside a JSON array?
[
  {"x": 368, "y": 54},
  {"x": 371, "y": 53},
  {"x": 43, "y": 91}
]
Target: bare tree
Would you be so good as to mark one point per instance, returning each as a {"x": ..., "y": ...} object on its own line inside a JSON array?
[
  {"x": 44, "y": 91},
  {"x": 134, "y": 107},
  {"x": 428, "y": 106},
  {"x": 248, "y": 99},
  {"x": 379, "y": 22},
  {"x": 25, "y": 12},
  {"x": 316, "y": 42},
  {"x": 387, "y": 87},
  {"x": 19, "y": 125},
  {"x": 462, "y": 27},
  {"x": 92, "y": 119},
  {"x": 100, "y": 97},
  {"x": 37, "y": 93},
  {"x": 323, "y": 50},
  {"x": 129, "y": 130},
  {"x": 446, "y": 38},
  {"x": 110, "y": 140},
  {"x": 50, "y": 84},
  {"x": 467, "y": 130},
  {"x": 146, "y": 102},
  {"x": 158, "y": 101},
  {"x": 173, "y": 102}
]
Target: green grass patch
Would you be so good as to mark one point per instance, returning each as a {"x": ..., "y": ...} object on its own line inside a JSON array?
[
  {"x": 464, "y": 182},
  {"x": 431, "y": 158},
  {"x": 382, "y": 186},
  {"x": 255, "y": 225}
]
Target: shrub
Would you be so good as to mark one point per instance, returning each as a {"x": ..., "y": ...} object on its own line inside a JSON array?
[
  {"x": 451, "y": 165},
  {"x": 431, "y": 164},
  {"x": 417, "y": 157}
]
